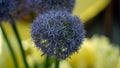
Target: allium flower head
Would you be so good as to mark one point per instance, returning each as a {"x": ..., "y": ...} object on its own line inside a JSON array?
[
  {"x": 58, "y": 33},
  {"x": 6, "y": 8},
  {"x": 46, "y": 5}
]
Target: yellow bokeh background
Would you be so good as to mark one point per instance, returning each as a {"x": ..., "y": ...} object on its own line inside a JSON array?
[{"x": 85, "y": 10}]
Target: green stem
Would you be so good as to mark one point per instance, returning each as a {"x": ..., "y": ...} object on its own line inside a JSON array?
[
  {"x": 35, "y": 65},
  {"x": 57, "y": 64},
  {"x": 46, "y": 62},
  {"x": 10, "y": 47},
  {"x": 19, "y": 41}
]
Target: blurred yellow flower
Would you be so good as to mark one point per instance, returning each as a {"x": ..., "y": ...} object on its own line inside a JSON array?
[
  {"x": 96, "y": 52},
  {"x": 118, "y": 66},
  {"x": 33, "y": 55},
  {"x": 64, "y": 64}
]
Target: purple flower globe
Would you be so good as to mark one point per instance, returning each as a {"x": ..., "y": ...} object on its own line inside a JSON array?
[
  {"x": 58, "y": 33},
  {"x": 7, "y": 8},
  {"x": 42, "y": 6}
]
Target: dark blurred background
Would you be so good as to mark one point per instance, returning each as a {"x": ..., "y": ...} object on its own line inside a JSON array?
[{"x": 107, "y": 23}]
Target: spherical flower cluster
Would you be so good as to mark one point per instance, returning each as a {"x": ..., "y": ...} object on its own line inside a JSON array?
[
  {"x": 45, "y": 5},
  {"x": 7, "y": 8},
  {"x": 57, "y": 33}
]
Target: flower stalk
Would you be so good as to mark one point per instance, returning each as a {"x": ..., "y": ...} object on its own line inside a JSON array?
[
  {"x": 10, "y": 47},
  {"x": 57, "y": 64},
  {"x": 19, "y": 41},
  {"x": 46, "y": 62}
]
